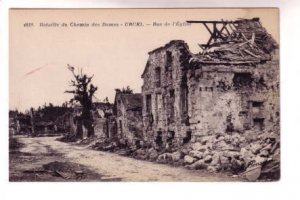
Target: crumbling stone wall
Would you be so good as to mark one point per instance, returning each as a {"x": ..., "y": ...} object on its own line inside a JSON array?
[
  {"x": 215, "y": 116},
  {"x": 219, "y": 104},
  {"x": 128, "y": 118},
  {"x": 101, "y": 127},
  {"x": 134, "y": 125},
  {"x": 162, "y": 117},
  {"x": 215, "y": 110}
]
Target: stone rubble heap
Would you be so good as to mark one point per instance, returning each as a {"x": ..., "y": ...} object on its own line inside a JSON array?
[{"x": 227, "y": 152}]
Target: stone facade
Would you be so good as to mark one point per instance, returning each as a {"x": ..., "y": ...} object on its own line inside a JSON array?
[
  {"x": 215, "y": 110},
  {"x": 185, "y": 97},
  {"x": 163, "y": 76},
  {"x": 102, "y": 114},
  {"x": 128, "y": 116}
]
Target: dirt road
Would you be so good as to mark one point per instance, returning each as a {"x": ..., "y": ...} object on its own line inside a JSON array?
[{"x": 26, "y": 164}]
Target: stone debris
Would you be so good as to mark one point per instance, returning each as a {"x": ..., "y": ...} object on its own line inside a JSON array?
[
  {"x": 176, "y": 156},
  {"x": 216, "y": 110},
  {"x": 196, "y": 154},
  {"x": 255, "y": 154},
  {"x": 188, "y": 159}
]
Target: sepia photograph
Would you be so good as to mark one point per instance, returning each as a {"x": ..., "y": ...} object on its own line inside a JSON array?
[{"x": 144, "y": 95}]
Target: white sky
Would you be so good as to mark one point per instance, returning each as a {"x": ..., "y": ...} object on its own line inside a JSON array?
[{"x": 115, "y": 55}]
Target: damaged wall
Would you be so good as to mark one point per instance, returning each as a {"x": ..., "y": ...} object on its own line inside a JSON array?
[
  {"x": 234, "y": 98},
  {"x": 190, "y": 98},
  {"x": 128, "y": 116},
  {"x": 162, "y": 118}
]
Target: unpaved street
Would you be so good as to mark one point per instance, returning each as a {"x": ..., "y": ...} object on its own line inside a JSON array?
[{"x": 102, "y": 166}]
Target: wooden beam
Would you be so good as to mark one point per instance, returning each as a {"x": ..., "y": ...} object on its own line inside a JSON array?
[
  {"x": 231, "y": 27},
  {"x": 212, "y": 37},
  {"x": 227, "y": 30},
  {"x": 223, "y": 27},
  {"x": 219, "y": 32},
  {"x": 207, "y": 28}
]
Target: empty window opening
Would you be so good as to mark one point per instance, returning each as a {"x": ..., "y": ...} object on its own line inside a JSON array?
[
  {"x": 158, "y": 106},
  {"x": 171, "y": 135},
  {"x": 257, "y": 107},
  {"x": 241, "y": 80},
  {"x": 121, "y": 127},
  {"x": 171, "y": 106},
  {"x": 158, "y": 139},
  {"x": 168, "y": 60},
  {"x": 258, "y": 123},
  {"x": 158, "y": 77},
  {"x": 148, "y": 103},
  {"x": 106, "y": 129},
  {"x": 184, "y": 102},
  {"x": 243, "y": 113},
  {"x": 257, "y": 104},
  {"x": 229, "y": 126},
  {"x": 188, "y": 137}
]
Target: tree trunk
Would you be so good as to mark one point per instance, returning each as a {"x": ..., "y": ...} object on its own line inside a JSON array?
[
  {"x": 90, "y": 128},
  {"x": 88, "y": 122},
  {"x": 79, "y": 130}
]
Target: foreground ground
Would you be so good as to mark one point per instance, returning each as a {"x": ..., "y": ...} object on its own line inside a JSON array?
[{"x": 46, "y": 159}]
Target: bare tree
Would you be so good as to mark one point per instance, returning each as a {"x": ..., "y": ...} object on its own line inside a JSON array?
[{"x": 83, "y": 93}]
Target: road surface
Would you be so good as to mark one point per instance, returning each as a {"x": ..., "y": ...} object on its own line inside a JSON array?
[{"x": 39, "y": 151}]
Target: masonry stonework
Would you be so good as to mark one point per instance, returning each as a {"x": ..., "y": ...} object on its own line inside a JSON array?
[{"x": 217, "y": 109}]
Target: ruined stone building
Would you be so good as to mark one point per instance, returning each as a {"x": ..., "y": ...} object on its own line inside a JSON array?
[
  {"x": 102, "y": 112},
  {"x": 19, "y": 123},
  {"x": 231, "y": 85},
  {"x": 128, "y": 116},
  {"x": 102, "y": 115}
]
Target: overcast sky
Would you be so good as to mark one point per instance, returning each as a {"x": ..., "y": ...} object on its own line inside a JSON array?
[{"x": 115, "y": 55}]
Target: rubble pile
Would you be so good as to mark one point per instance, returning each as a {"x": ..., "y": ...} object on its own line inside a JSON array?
[
  {"x": 237, "y": 153},
  {"x": 217, "y": 110},
  {"x": 225, "y": 152},
  {"x": 249, "y": 42},
  {"x": 262, "y": 38}
]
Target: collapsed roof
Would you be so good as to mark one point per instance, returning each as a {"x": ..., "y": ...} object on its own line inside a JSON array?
[
  {"x": 132, "y": 101},
  {"x": 235, "y": 42}
]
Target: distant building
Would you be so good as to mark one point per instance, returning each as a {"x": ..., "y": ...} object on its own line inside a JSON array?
[
  {"x": 102, "y": 113},
  {"x": 13, "y": 122},
  {"x": 128, "y": 116},
  {"x": 45, "y": 128},
  {"x": 21, "y": 124}
]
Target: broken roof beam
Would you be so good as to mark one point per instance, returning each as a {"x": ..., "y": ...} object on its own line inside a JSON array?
[
  {"x": 208, "y": 28},
  {"x": 215, "y": 32}
]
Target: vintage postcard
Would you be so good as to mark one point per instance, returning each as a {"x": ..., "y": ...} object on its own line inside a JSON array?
[{"x": 144, "y": 95}]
